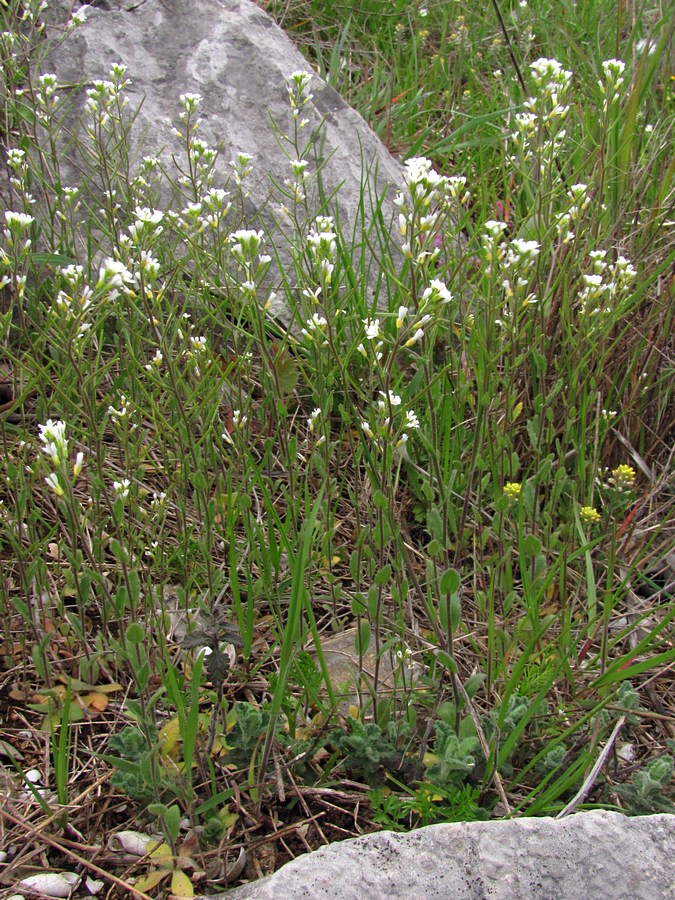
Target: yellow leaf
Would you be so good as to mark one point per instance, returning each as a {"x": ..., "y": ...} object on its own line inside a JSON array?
[
  {"x": 227, "y": 818},
  {"x": 169, "y": 737},
  {"x": 96, "y": 701},
  {"x": 161, "y": 854},
  {"x": 152, "y": 879},
  {"x": 181, "y": 886}
]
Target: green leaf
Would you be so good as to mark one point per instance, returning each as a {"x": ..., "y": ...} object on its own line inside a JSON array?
[
  {"x": 358, "y": 605},
  {"x": 435, "y": 523},
  {"x": 135, "y": 586},
  {"x": 198, "y": 481},
  {"x": 531, "y": 545},
  {"x": 383, "y": 576},
  {"x": 172, "y": 821},
  {"x": 455, "y": 611},
  {"x": 363, "y": 637},
  {"x": 450, "y": 581},
  {"x": 119, "y": 551},
  {"x": 473, "y": 683},
  {"x": 446, "y": 661},
  {"x": 380, "y": 501},
  {"x": 135, "y": 633},
  {"x": 286, "y": 370}
]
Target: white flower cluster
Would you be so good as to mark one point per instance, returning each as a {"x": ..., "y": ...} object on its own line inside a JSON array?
[
  {"x": 121, "y": 488},
  {"x": 299, "y": 94},
  {"x": 604, "y": 283},
  {"x": 579, "y": 200},
  {"x": 246, "y": 245},
  {"x": 515, "y": 258},
  {"x": 146, "y": 224},
  {"x": 75, "y": 300},
  {"x": 322, "y": 247},
  {"x": 194, "y": 350},
  {"x": 415, "y": 321},
  {"x": 241, "y": 167},
  {"x": 313, "y": 422},
  {"x": 215, "y": 205},
  {"x": 201, "y": 157},
  {"x": 122, "y": 414},
  {"x": 114, "y": 278},
  {"x": 316, "y": 329},
  {"x": 17, "y": 223},
  {"x": 237, "y": 423},
  {"x": 45, "y": 96},
  {"x": 106, "y": 96},
  {"x": 546, "y": 105},
  {"x": 55, "y": 448},
  {"x": 296, "y": 186},
  {"x": 422, "y": 206},
  {"x": 391, "y": 422},
  {"x": 610, "y": 86},
  {"x": 373, "y": 333}
]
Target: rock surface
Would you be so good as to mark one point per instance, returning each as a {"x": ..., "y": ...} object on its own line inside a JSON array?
[
  {"x": 589, "y": 856},
  {"x": 233, "y": 55}
]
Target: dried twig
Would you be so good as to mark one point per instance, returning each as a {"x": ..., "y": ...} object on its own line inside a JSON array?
[{"x": 585, "y": 788}]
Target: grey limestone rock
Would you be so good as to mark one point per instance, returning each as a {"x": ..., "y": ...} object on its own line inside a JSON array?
[
  {"x": 590, "y": 856},
  {"x": 233, "y": 55}
]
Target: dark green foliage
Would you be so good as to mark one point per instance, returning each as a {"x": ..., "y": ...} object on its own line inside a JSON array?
[
  {"x": 133, "y": 775},
  {"x": 452, "y": 758},
  {"x": 213, "y": 831},
  {"x": 367, "y": 750},
  {"x": 645, "y": 792},
  {"x": 428, "y": 805},
  {"x": 251, "y": 723}
]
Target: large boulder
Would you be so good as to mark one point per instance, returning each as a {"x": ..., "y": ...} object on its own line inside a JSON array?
[
  {"x": 590, "y": 856},
  {"x": 233, "y": 55}
]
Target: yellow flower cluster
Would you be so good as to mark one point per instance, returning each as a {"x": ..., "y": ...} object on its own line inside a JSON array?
[
  {"x": 513, "y": 489},
  {"x": 589, "y": 515},
  {"x": 623, "y": 477}
]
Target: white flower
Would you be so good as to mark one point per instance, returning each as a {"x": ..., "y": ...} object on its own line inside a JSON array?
[
  {"x": 525, "y": 250},
  {"x": 53, "y": 482},
  {"x": 417, "y": 336},
  {"x": 390, "y": 399},
  {"x": 53, "y": 437},
  {"x": 15, "y": 158},
  {"x": 121, "y": 488},
  {"x": 190, "y": 102},
  {"x": 157, "y": 360},
  {"x": 495, "y": 229},
  {"x": 79, "y": 462},
  {"x": 643, "y": 45},
  {"x": 372, "y": 328},
  {"x": 437, "y": 292},
  {"x": 114, "y": 274},
  {"x": 78, "y": 17},
  {"x": 245, "y": 244},
  {"x": 18, "y": 221}
]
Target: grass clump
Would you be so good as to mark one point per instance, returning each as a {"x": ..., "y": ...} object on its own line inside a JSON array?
[{"x": 469, "y": 473}]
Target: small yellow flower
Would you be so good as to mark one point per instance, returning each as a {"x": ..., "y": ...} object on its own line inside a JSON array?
[
  {"x": 589, "y": 515},
  {"x": 623, "y": 477},
  {"x": 513, "y": 490}
]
